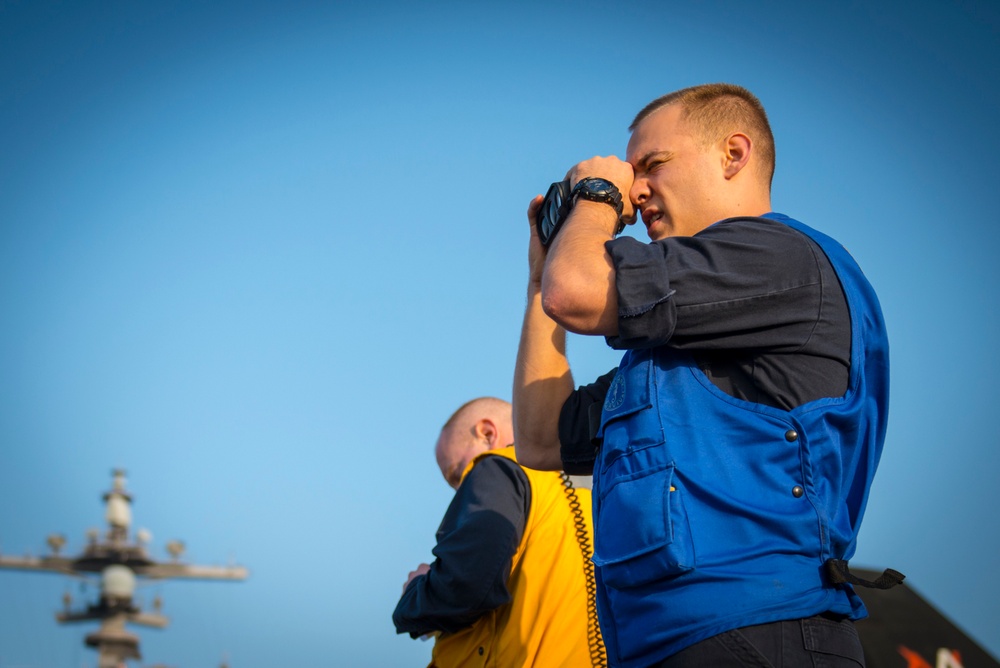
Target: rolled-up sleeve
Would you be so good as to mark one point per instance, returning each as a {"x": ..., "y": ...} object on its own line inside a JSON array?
[
  {"x": 642, "y": 282},
  {"x": 741, "y": 283}
]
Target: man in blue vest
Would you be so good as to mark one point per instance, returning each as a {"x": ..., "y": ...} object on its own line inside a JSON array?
[{"x": 734, "y": 446}]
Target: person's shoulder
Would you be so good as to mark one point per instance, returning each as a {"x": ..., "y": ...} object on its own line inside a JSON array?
[
  {"x": 500, "y": 463},
  {"x": 492, "y": 468},
  {"x": 771, "y": 235},
  {"x": 753, "y": 226}
]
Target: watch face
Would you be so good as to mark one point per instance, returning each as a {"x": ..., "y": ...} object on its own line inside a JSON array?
[
  {"x": 598, "y": 186},
  {"x": 599, "y": 190}
]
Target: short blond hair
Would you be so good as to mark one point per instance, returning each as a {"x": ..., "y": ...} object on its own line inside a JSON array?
[{"x": 716, "y": 110}]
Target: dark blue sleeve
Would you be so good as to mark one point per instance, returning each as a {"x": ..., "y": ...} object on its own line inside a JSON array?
[
  {"x": 476, "y": 541},
  {"x": 741, "y": 283}
]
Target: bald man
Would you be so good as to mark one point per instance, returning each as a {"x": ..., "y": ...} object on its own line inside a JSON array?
[{"x": 509, "y": 585}]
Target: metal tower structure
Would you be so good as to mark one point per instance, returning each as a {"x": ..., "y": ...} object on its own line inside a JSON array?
[{"x": 119, "y": 562}]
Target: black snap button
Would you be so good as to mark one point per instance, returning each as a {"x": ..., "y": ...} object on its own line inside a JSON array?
[
  {"x": 797, "y": 492},
  {"x": 480, "y": 651},
  {"x": 791, "y": 435}
]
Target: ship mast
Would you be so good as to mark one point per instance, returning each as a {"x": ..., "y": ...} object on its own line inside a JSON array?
[{"x": 120, "y": 562}]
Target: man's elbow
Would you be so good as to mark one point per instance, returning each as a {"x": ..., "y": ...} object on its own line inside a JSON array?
[
  {"x": 555, "y": 304},
  {"x": 579, "y": 312},
  {"x": 566, "y": 306}
]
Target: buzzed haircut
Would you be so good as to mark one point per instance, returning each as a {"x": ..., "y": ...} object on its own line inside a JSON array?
[
  {"x": 492, "y": 404},
  {"x": 715, "y": 110}
]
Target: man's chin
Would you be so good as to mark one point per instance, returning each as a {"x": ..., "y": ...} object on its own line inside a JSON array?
[{"x": 657, "y": 231}]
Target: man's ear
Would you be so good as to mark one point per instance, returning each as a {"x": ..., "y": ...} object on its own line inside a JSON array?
[
  {"x": 737, "y": 148},
  {"x": 485, "y": 429}
]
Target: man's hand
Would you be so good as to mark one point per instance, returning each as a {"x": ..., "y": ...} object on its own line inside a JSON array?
[
  {"x": 611, "y": 169},
  {"x": 536, "y": 252},
  {"x": 422, "y": 569}
]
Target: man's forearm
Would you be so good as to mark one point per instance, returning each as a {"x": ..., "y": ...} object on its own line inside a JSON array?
[
  {"x": 578, "y": 286},
  {"x": 424, "y": 608},
  {"x": 542, "y": 382}
]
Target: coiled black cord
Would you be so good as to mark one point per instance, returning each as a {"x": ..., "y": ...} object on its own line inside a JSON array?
[{"x": 598, "y": 652}]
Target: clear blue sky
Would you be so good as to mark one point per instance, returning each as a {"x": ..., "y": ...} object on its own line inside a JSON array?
[{"x": 256, "y": 253}]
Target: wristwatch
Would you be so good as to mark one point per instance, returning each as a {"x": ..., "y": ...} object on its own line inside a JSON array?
[{"x": 598, "y": 190}]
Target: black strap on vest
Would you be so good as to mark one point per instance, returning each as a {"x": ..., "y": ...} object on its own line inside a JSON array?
[
  {"x": 594, "y": 421},
  {"x": 838, "y": 573}
]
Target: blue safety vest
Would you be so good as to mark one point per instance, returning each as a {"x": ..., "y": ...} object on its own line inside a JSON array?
[{"x": 714, "y": 513}]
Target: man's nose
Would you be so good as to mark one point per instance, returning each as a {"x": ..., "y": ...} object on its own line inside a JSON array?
[{"x": 639, "y": 192}]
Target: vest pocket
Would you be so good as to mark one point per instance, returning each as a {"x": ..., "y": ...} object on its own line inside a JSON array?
[{"x": 642, "y": 532}]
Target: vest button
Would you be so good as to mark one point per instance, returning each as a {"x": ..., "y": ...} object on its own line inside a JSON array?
[
  {"x": 791, "y": 435},
  {"x": 480, "y": 651},
  {"x": 797, "y": 491}
]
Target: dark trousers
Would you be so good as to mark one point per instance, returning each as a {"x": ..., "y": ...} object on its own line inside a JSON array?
[{"x": 815, "y": 642}]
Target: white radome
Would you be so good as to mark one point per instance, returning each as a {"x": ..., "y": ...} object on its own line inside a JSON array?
[
  {"x": 119, "y": 514},
  {"x": 118, "y": 581}
]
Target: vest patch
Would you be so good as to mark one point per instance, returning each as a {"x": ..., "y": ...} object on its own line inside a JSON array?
[{"x": 616, "y": 393}]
